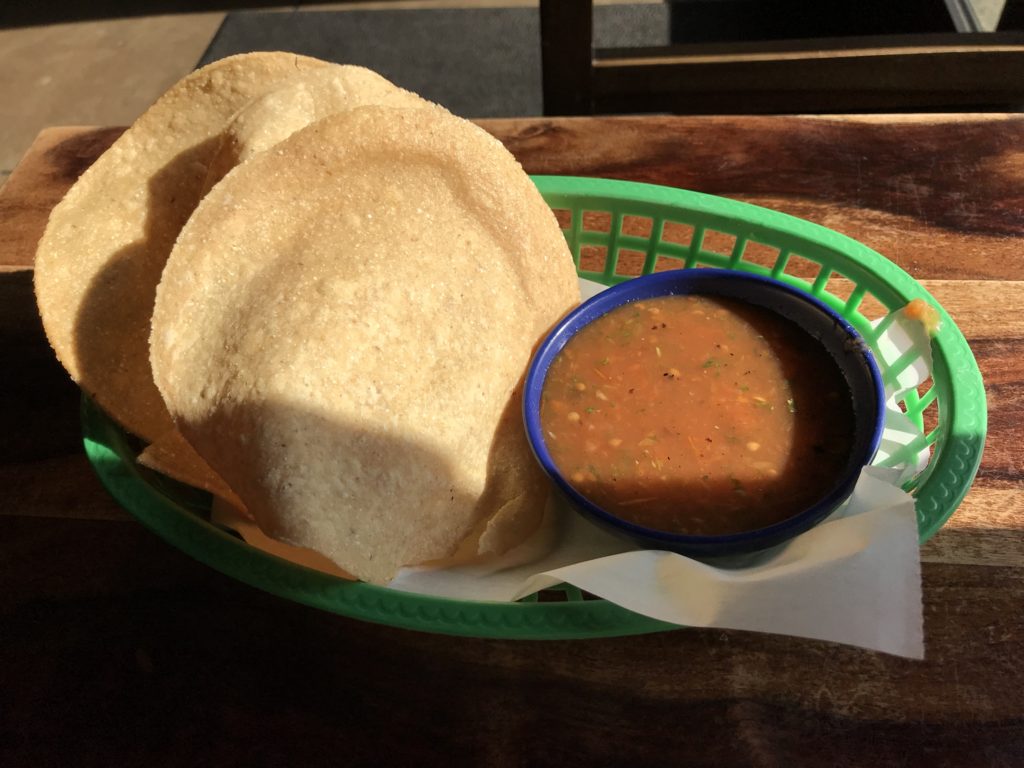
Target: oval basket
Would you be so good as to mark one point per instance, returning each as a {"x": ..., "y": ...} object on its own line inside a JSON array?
[{"x": 615, "y": 230}]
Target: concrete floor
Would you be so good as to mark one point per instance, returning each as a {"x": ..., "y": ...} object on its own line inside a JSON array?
[
  {"x": 91, "y": 73},
  {"x": 108, "y": 72}
]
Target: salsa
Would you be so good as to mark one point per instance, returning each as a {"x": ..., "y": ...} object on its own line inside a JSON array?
[{"x": 697, "y": 415}]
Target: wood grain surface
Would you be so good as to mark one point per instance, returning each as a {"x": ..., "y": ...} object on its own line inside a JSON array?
[{"x": 116, "y": 649}]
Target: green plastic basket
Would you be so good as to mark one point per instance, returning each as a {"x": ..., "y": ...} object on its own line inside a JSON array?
[{"x": 615, "y": 230}]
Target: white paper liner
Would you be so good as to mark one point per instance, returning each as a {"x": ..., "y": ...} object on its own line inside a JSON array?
[{"x": 853, "y": 579}]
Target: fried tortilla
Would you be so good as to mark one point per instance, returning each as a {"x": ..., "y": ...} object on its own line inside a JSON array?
[
  {"x": 100, "y": 258},
  {"x": 342, "y": 329},
  {"x": 264, "y": 121}
]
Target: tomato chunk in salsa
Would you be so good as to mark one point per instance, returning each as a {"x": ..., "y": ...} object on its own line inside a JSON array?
[{"x": 697, "y": 415}]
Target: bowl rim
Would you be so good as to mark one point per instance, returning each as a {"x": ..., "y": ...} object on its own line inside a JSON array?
[{"x": 660, "y": 284}]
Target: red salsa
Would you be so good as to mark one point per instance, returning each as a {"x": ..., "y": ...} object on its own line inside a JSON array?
[{"x": 697, "y": 415}]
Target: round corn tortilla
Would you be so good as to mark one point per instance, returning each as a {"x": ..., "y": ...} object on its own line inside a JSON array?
[
  {"x": 342, "y": 329},
  {"x": 104, "y": 248},
  {"x": 304, "y": 99},
  {"x": 267, "y": 119}
]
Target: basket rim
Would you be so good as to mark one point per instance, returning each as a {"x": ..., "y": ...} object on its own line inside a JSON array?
[{"x": 109, "y": 451}]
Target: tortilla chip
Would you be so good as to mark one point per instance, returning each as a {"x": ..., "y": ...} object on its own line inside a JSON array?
[
  {"x": 104, "y": 248},
  {"x": 342, "y": 326}
]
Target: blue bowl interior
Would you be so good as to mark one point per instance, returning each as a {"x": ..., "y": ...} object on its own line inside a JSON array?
[{"x": 838, "y": 337}]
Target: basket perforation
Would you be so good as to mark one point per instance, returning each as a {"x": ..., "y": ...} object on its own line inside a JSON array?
[
  {"x": 716, "y": 243},
  {"x": 676, "y": 231},
  {"x": 637, "y": 226},
  {"x": 594, "y": 261},
  {"x": 802, "y": 271},
  {"x": 759, "y": 257},
  {"x": 631, "y": 263}
]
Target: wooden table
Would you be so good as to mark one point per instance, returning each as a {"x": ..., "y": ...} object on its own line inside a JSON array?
[{"x": 116, "y": 649}]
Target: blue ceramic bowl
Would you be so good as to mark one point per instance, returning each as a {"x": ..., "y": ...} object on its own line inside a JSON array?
[{"x": 835, "y": 334}]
